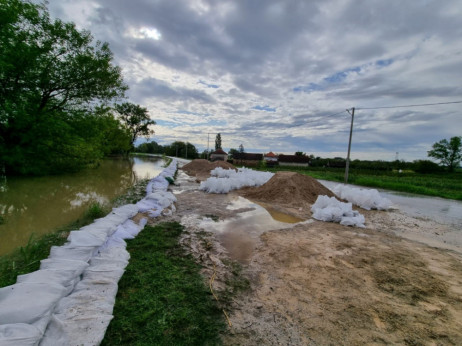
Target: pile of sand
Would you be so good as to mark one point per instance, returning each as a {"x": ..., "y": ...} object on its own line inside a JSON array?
[
  {"x": 201, "y": 168},
  {"x": 289, "y": 189}
]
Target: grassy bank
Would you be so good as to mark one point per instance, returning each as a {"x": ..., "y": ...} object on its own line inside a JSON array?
[
  {"x": 162, "y": 299},
  {"x": 446, "y": 185},
  {"x": 26, "y": 259}
]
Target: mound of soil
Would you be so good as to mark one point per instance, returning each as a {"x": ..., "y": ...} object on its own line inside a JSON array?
[
  {"x": 201, "y": 168},
  {"x": 289, "y": 189}
]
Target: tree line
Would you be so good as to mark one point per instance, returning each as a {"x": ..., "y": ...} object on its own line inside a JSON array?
[
  {"x": 178, "y": 149},
  {"x": 60, "y": 95}
]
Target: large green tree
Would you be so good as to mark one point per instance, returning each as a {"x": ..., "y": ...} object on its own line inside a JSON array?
[
  {"x": 136, "y": 119},
  {"x": 52, "y": 78},
  {"x": 449, "y": 153}
]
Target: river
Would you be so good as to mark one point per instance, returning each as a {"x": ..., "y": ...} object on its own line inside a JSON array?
[{"x": 39, "y": 205}]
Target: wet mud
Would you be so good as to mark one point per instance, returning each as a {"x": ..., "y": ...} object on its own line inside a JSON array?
[{"x": 310, "y": 282}]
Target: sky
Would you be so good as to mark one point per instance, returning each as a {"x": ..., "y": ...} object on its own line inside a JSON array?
[{"x": 279, "y": 75}]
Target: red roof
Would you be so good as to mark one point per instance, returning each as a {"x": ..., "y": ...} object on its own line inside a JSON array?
[
  {"x": 219, "y": 152},
  {"x": 270, "y": 154}
]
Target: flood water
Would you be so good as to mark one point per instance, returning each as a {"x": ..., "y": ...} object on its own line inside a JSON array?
[
  {"x": 39, "y": 205},
  {"x": 240, "y": 235}
]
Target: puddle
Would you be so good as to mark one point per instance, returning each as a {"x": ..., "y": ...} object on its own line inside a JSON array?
[
  {"x": 239, "y": 244},
  {"x": 278, "y": 215},
  {"x": 184, "y": 183},
  {"x": 241, "y": 234}
]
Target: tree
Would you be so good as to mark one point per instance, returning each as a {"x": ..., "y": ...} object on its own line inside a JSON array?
[
  {"x": 136, "y": 119},
  {"x": 52, "y": 77},
  {"x": 300, "y": 153},
  {"x": 426, "y": 166},
  {"x": 449, "y": 153},
  {"x": 178, "y": 148},
  {"x": 241, "y": 148},
  {"x": 232, "y": 153},
  {"x": 218, "y": 141},
  {"x": 152, "y": 148}
]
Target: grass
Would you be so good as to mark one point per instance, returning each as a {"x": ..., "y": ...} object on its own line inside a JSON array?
[
  {"x": 96, "y": 210},
  {"x": 27, "y": 258},
  {"x": 446, "y": 185},
  {"x": 162, "y": 298}
]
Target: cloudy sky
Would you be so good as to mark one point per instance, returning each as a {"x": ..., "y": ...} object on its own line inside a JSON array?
[{"x": 279, "y": 75}]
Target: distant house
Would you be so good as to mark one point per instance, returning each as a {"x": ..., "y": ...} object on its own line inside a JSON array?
[
  {"x": 247, "y": 159},
  {"x": 219, "y": 155},
  {"x": 270, "y": 157},
  {"x": 294, "y": 160}
]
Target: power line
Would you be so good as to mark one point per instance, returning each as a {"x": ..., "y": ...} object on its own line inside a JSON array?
[{"x": 406, "y": 106}]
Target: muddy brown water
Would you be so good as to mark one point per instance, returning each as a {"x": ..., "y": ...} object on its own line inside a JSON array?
[
  {"x": 39, "y": 205},
  {"x": 240, "y": 235}
]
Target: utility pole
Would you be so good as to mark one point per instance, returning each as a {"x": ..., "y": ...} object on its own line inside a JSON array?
[
  {"x": 349, "y": 143},
  {"x": 186, "y": 150},
  {"x": 208, "y": 140}
]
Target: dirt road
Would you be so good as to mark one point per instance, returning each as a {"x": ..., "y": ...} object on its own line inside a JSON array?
[{"x": 316, "y": 283}]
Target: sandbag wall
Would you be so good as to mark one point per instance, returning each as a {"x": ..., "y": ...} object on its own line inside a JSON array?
[{"x": 70, "y": 299}]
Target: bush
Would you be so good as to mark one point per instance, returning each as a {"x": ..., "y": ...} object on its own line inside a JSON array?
[
  {"x": 96, "y": 210},
  {"x": 426, "y": 167}
]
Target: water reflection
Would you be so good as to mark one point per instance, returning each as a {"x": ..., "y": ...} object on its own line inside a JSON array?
[
  {"x": 41, "y": 204},
  {"x": 239, "y": 235}
]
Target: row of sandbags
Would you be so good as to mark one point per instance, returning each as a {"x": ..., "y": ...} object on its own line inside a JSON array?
[{"x": 70, "y": 299}]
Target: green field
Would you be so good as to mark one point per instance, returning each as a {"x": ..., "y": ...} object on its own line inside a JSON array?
[
  {"x": 162, "y": 298},
  {"x": 446, "y": 185}
]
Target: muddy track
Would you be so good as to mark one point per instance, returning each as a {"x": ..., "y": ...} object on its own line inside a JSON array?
[{"x": 323, "y": 283}]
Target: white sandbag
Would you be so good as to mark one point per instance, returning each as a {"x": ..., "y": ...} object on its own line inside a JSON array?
[
  {"x": 95, "y": 291},
  {"x": 87, "y": 238},
  {"x": 148, "y": 204},
  {"x": 19, "y": 334},
  {"x": 28, "y": 302},
  {"x": 81, "y": 330},
  {"x": 111, "y": 254},
  {"x": 123, "y": 233},
  {"x": 364, "y": 198},
  {"x": 115, "y": 242},
  {"x": 81, "y": 253},
  {"x": 107, "y": 224},
  {"x": 129, "y": 229},
  {"x": 156, "y": 184},
  {"x": 332, "y": 210},
  {"x": 77, "y": 267},
  {"x": 66, "y": 278},
  {"x": 154, "y": 213},
  {"x": 225, "y": 180},
  {"x": 126, "y": 211},
  {"x": 163, "y": 198},
  {"x": 103, "y": 273}
]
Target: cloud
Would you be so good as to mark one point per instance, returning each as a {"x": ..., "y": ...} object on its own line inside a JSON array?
[
  {"x": 269, "y": 74},
  {"x": 213, "y": 86},
  {"x": 155, "y": 88},
  {"x": 264, "y": 108}
]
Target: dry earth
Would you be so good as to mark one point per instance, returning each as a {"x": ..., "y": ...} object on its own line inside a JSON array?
[{"x": 319, "y": 283}]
